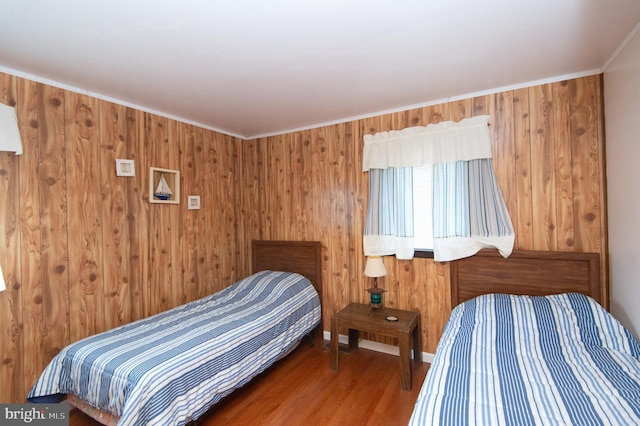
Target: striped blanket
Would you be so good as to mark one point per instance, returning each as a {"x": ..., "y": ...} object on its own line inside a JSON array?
[
  {"x": 170, "y": 368},
  {"x": 523, "y": 360}
]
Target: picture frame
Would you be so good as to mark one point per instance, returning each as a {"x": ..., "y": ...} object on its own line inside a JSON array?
[
  {"x": 125, "y": 167},
  {"x": 164, "y": 186},
  {"x": 193, "y": 202}
]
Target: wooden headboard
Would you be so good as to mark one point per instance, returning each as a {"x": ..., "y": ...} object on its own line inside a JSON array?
[
  {"x": 303, "y": 257},
  {"x": 535, "y": 273}
]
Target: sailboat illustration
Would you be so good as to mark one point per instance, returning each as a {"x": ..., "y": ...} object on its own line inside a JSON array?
[{"x": 163, "y": 191}]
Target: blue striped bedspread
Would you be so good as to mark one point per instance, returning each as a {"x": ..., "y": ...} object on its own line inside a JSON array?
[
  {"x": 170, "y": 368},
  {"x": 525, "y": 360}
]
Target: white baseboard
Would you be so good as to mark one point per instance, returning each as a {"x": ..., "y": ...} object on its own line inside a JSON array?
[{"x": 376, "y": 346}]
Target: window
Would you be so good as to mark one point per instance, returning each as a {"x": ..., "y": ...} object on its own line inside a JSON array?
[
  {"x": 422, "y": 207},
  {"x": 449, "y": 210}
]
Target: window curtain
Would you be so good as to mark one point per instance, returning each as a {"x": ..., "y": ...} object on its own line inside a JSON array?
[
  {"x": 469, "y": 213},
  {"x": 389, "y": 224}
]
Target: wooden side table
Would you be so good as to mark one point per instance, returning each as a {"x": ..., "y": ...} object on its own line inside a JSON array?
[{"x": 356, "y": 317}]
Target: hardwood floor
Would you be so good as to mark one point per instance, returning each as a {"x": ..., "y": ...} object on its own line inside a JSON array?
[{"x": 302, "y": 390}]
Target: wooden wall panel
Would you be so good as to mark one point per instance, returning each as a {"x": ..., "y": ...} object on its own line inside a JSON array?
[
  {"x": 230, "y": 219},
  {"x": 198, "y": 288},
  {"x": 184, "y": 262},
  {"x": 306, "y": 185},
  {"x": 53, "y": 221},
  {"x": 175, "y": 219},
  {"x": 333, "y": 290},
  {"x": 355, "y": 214},
  {"x": 503, "y": 147},
  {"x": 337, "y": 229},
  {"x": 542, "y": 175},
  {"x": 224, "y": 233},
  {"x": 30, "y": 238},
  {"x": 161, "y": 231},
  {"x": 208, "y": 202},
  {"x": 11, "y": 306},
  {"x": 522, "y": 216},
  {"x": 587, "y": 175},
  {"x": 86, "y": 290},
  {"x": 114, "y": 208},
  {"x": 563, "y": 162},
  {"x": 588, "y": 166},
  {"x": 137, "y": 149},
  {"x": 438, "y": 295}
]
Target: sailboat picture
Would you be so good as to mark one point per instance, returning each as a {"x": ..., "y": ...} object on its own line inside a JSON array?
[
  {"x": 164, "y": 186},
  {"x": 163, "y": 191}
]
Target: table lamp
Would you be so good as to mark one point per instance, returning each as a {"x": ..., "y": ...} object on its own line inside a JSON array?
[{"x": 375, "y": 268}]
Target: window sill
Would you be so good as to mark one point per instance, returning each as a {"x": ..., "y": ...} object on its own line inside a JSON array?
[{"x": 425, "y": 254}]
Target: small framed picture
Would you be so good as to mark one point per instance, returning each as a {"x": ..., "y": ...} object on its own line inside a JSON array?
[
  {"x": 164, "y": 186},
  {"x": 193, "y": 202},
  {"x": 125, "y": 168}
]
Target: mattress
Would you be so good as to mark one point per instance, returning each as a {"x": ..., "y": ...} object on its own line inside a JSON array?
[
  {"x": 532, "y": 360},
  {"x": 170, "y": 368}
]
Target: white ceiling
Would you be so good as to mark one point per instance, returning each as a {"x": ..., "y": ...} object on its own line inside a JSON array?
[{"x": 253, "y": 68}]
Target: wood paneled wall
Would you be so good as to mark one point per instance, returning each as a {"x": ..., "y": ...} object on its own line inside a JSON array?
[
  {"x": 548, "y": 155},
  {"x": 83, "y": 250}
]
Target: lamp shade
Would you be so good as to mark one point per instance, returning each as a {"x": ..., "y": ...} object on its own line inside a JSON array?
[
  {"x": 9, "y": 132},
  {"x": 374, "y": 267}
]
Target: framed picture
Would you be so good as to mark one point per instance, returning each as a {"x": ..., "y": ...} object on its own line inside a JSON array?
[
  {"x": 164, "y": 186},
  {"x": 125, "y": 167},
  {"x": 193, "y": 202}
]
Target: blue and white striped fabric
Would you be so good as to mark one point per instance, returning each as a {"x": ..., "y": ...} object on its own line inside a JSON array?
[
  {"x": 170, "y": 368},
  {"x": 524, "y": 360},
  {"x": 389, "y": 226},
  {"x": 469, "y": 213}
]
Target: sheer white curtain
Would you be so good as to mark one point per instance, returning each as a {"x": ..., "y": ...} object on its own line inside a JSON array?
[
  {"x": 389, "y": 225},
  {"x": 469, "y": 212}
]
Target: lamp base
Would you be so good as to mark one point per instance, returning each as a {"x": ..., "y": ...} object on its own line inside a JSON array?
[
  {"x": 376, "y": 299},
  {"x": 373, "y": 309}
]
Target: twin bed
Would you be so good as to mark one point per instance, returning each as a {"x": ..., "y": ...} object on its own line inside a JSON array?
[
  {"x": 172, "y": 367},
  {"x": 529, "y": 343}
]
